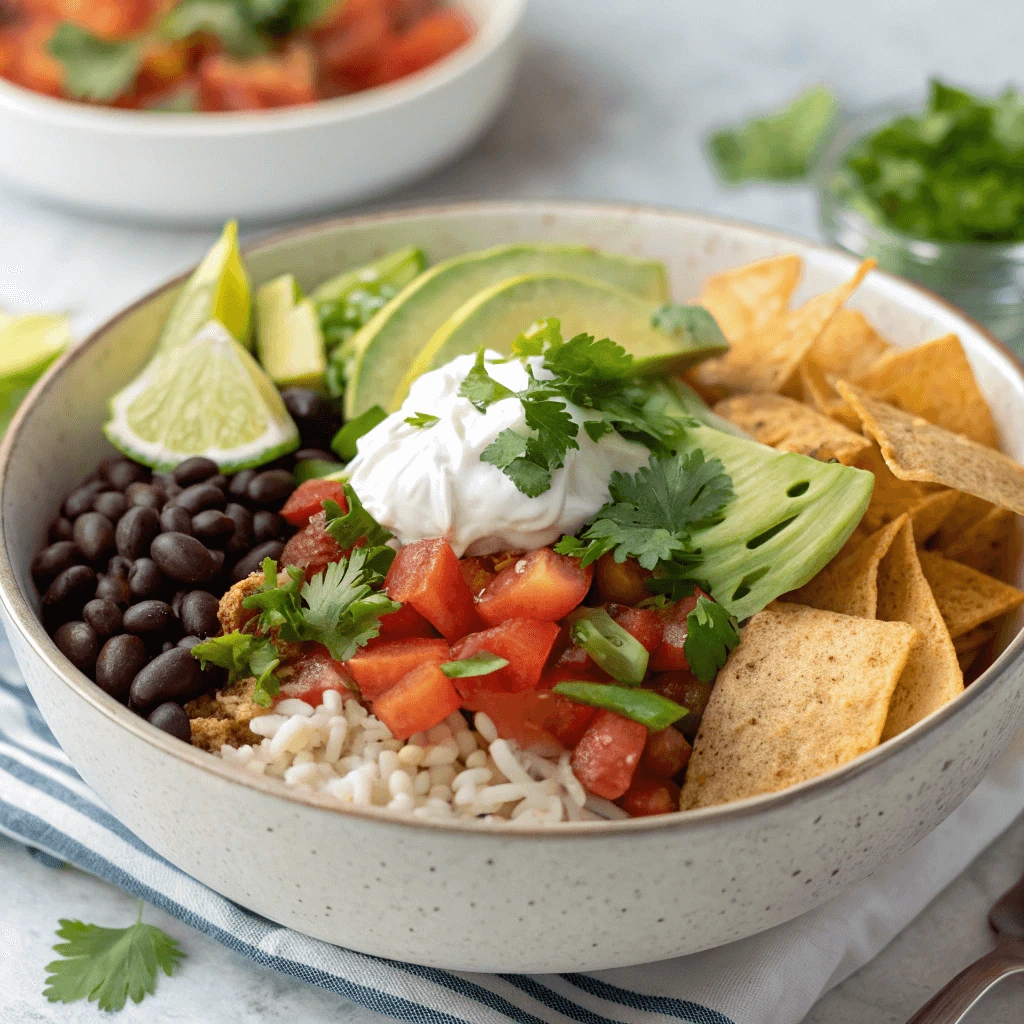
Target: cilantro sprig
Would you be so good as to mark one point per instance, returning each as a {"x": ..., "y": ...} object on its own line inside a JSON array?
[
  {"x": 244, "y": 655},
  {"x": 355, "y": 525},
  {"x": 109, "y": 965},
  {"x": 711, "y": 634}
]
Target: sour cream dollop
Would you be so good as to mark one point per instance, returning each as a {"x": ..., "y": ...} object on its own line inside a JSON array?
[{"x": 425, "y": 482}]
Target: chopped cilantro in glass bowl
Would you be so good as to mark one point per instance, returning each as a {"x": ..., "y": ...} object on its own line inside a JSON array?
[{"x": 935, "y": 192}]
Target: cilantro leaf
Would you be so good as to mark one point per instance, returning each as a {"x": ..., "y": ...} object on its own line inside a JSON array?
[
  {"x": 348, "y": 528},
  {"x": 422, "y": 420},
  {"x": 508, "y": 446},
  {"x": 481, "y": 388},
  {"x": 596, "y": 429},
  {"x": 693, "y": 325},
  {"x": 109, "y": 965},
  {"x": 531, "y": 478},
  {"x": 223, "y": 19},
  {"x": 480, "y": 664},
  {"x": 711, "y": 634},
  {"x": 535, "y": 338},
  {"x": 94, "y": 69},
  {"x": 776, "y": 147},
  {"x": 244, "y": 655}
]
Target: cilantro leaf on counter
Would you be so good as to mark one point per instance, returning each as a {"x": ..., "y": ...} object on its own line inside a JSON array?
[
  {"x": 348, "y": 528},
  {"x": 109, "y": 965},
  {"x": 244, "y": 655},
  {"x": 422, "y": 420},
  {"x": 94, "y": 68},
  {"x": 775, "y": 147},
  {"x": 711, "y": 634}
]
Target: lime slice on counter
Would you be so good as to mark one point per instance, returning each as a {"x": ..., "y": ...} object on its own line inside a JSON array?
[
  {"x": 217, "y": 290},
  {"x": 206, "y": 397},
  {"x": 28, "y": 344}
]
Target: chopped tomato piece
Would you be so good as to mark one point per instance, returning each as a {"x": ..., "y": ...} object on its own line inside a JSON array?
[
  {"x": 313, "y": 548},
  {"x": 425, "y": 43},
  {"x": 641, "y": 623},
  {"x": 572, "y": 663},
  {"x": 533, "y": 717},
  {"x": 420, "y": 700},
  {"x": 308, "y": 499},
  {"x": 402, "y": 625},
  {"x": 669, "y": 654},
  {"x": 426, "y": 575},
  {"x": 477, "y": 572},
  {"x": 378, "y": 669},
  {"x": 259, "y": 83},
  {"x": 621, "y": 582},
  {"x": 31, "y": 64},
  {"x": 607, "y": 755},
  {"x": 524, "y": 643},
  {"x": 352, "y": 46},
  {"x": 316, "y": 672},
  {"x": 539, "y": 585},
  {"x": 567, "y": 721},
  {"x": 666, "y": 753},
  {"x": 686, "y": 690},
  {"x": 647, "y": 796}
]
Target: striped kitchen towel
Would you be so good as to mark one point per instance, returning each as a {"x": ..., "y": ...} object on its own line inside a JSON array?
[{"x": 771, "y": 978}]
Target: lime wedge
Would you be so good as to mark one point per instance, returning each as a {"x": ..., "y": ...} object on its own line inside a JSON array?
[
  {"x": 205, "y": 397},
  {"x": 28, "y": 344},
  {"x": 217, "y": 290}
]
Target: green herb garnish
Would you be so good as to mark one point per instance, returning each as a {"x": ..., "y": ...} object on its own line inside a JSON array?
[
  {"x": 348, "y": 528},
  {"x": 482, "y": 663},
  {"x": 422, "y": 420},
  {"x": 643, "y": 706},
  {"x": 711, "y": 634},
  {"x": 94, "y": 68},
  {"x": 616, "y": 650},
  {"x": 244, "y": 656}
]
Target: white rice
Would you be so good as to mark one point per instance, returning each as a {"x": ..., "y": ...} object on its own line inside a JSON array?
[{"x": 449, "y": 772}]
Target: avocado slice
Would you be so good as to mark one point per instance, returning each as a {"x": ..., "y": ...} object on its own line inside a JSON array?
[
  {"x": 790, "y": 517},
  {"x": 674, "y": 397},
  {"x": 494, "y": 317},
  {"x": 289, "y": 341},
  {"x": 381, "y": 352},
  {"x": 396, "y": 270}
]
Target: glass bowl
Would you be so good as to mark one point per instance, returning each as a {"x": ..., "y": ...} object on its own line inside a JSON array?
[{"x": 985, "y": 279}]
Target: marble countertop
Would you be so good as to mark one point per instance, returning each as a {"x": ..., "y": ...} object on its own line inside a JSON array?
[{"x": 613, "y": 102}]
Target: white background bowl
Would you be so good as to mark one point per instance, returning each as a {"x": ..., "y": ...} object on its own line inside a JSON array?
[
  {"x": 206, "y": 168},
  {"x": 469, "y": 896}
]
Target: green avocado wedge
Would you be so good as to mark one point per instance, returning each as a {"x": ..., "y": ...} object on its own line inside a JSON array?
[
  {"x": 790, "y": 517},
  {"x": 494, "y": 318},
  {"x": 381, "y": 352}
]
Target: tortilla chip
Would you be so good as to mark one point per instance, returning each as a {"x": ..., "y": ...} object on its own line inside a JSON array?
[
  {"x": 890, "y": 497},
  {"x": 766, "y": 358},
  {"x": 975, "y": 640},
  {"x": 932, "y": 676},
  {"x": 931, "y": 512},
  {"x": 914, "y": 449},
  {"x": 747, "y": 298},
  {"x": 966, "y": 659},
  {"x": 791, "y": 426},
  {"x": 984, "y": 545},
  {"x": 966, "y": 598},
  {"x": 933, "y": 381},
  {"x": 968, "y": 511},
  {"x": 815, "y": 389},
  {"x": 848, "y": 346},
  {"x": 849, "y": 584},
  {"x": 804, "y": 692}
]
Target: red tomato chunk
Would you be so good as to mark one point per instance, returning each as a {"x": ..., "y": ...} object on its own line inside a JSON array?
[
  {"x": 666, "y": 753},
  {"x": 606, "y": 757},
  {"x": 308, "y": 499},
  {"x": 647, "y": 796},
  {"x": 534, "y": 716},
  {"x": 378, "y": 669},
  {"x": 524, "y": 643},
  {"x": 312, "y": 548},
  {"x": 426, "y": 575},
  {"x": 540, "y": 585},
  {"x": 403, "y": 624},
  {"x": 669, "y": 654},
  {"x": 315, "y": 673},
  {"x": 477, "y": 572},
  {"x": 621, "y": 582},
  {"x": 420, "y": 700},
  {"x": 641, "y": 623}
]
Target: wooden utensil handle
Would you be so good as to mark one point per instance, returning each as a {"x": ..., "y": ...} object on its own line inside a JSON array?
[{"x": 951, "y": 1004}]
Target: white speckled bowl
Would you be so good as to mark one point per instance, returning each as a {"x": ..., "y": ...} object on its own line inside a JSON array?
[{"x": 581, "y": 897}]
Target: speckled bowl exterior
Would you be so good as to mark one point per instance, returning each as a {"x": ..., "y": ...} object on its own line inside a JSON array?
[{"x": 469, "y": 896}]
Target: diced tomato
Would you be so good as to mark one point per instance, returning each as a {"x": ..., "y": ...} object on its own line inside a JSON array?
[
  {"x": 425, "y": 43},
  {"x": 312, "y": 548},
  {"x": 402, "y": 625},
  {"x": 31, "y": 64},
  {"x": 669, "y": 654},
  {"x": 686, "y": 690},
  {"x": 426, "y": 575},
  {"x": 534, "y": 716},
  {"x": 641, "y": 623},
  {"x": 477, "y": 572},
  {"x": 572, "y": 663},
  {"x": 109, "y": 19},
  {"x": 540, "y": 585},
  {"x": 259, "y": 83},
  {"x": 420, "y": 700},
  {"x": 647, "y": 796},
  {"x": 567, "y": 721},
  {"x": 308, "y": 499},
  {"x": 524, "y": 643},
  {"x": 315, "y": 673},
  {"x": 607, "y": 755},
  {"x": 621, "y": 582},
  {"x": 666, "y": 753},
  {"x": 352, "y": 45},
  {"x": 378, "y": 669}
]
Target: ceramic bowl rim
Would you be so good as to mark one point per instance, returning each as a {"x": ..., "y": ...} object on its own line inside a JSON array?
[
  {"x": 23, "y": 617},
  {"x": 491, "y": 34}
]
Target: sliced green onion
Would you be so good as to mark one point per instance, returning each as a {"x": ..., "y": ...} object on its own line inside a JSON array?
[
  {"x": 480, "y": 664},
  {"x": 618, "y": 652},
  {"x": 314, "y": 469},
  {"x": 643, "y": 706},
  {"x": 344, "y": 443}
]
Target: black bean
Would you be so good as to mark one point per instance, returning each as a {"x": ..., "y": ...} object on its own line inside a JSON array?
[
  {"x": 53, "y": 560},
  {"x": 212, "y": 527},
  {"x": 123, "y": 472},
  {"x": 167, "y": 645},
  {"x": 94, "y": 535},
  {"x": 145, "y": 495},
  {"x": 183, "y": 558},
  {"x": 113, "y": 588},
  {"x": 305, "y": 454},
  {"x": 161, "y": 480},
  {"x": 81, "y": 500},
  {"x": 145, "y": 579},
  {"x": 136, "y": 530},
  {"x": 119, "y": 566},
  {"x": 174, "y": 519},
  {"x": 249, "y": 563},
  {"x": 220, "y": 480},
  {"x": 62, "y": 529},
  {"x": 239, "y": 483},
  {"x": 218, "y": 560},
  {"x": 112, "y": 504},
  {"x": 313, "y": 416},
  {"x": 270, "y": 487},
  {"x": 66, "y": 595},
  {"x": 120, "y": 660},
  {"x": 195, "y": 470},
  {"x": 96, "y": 474},
  {"x": 172, "y": 490},
  {"x": 104, "y": 616},
  {"x": 199, "y": 614},
  {"x": 266, "y": 526},
  {"x": 241, "y": 538},
  {"x": 176, "y": 600},
  {"x": 199, "y": 497},
  {"x": 188, "y": 642},
  {"x": 172, "y": 719},
  {"x": 148, "y": 617},
  {"x": 174, "y": 675},
  {"x": 78, "y": 643},
  {"x": 302, "y": 403}
]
